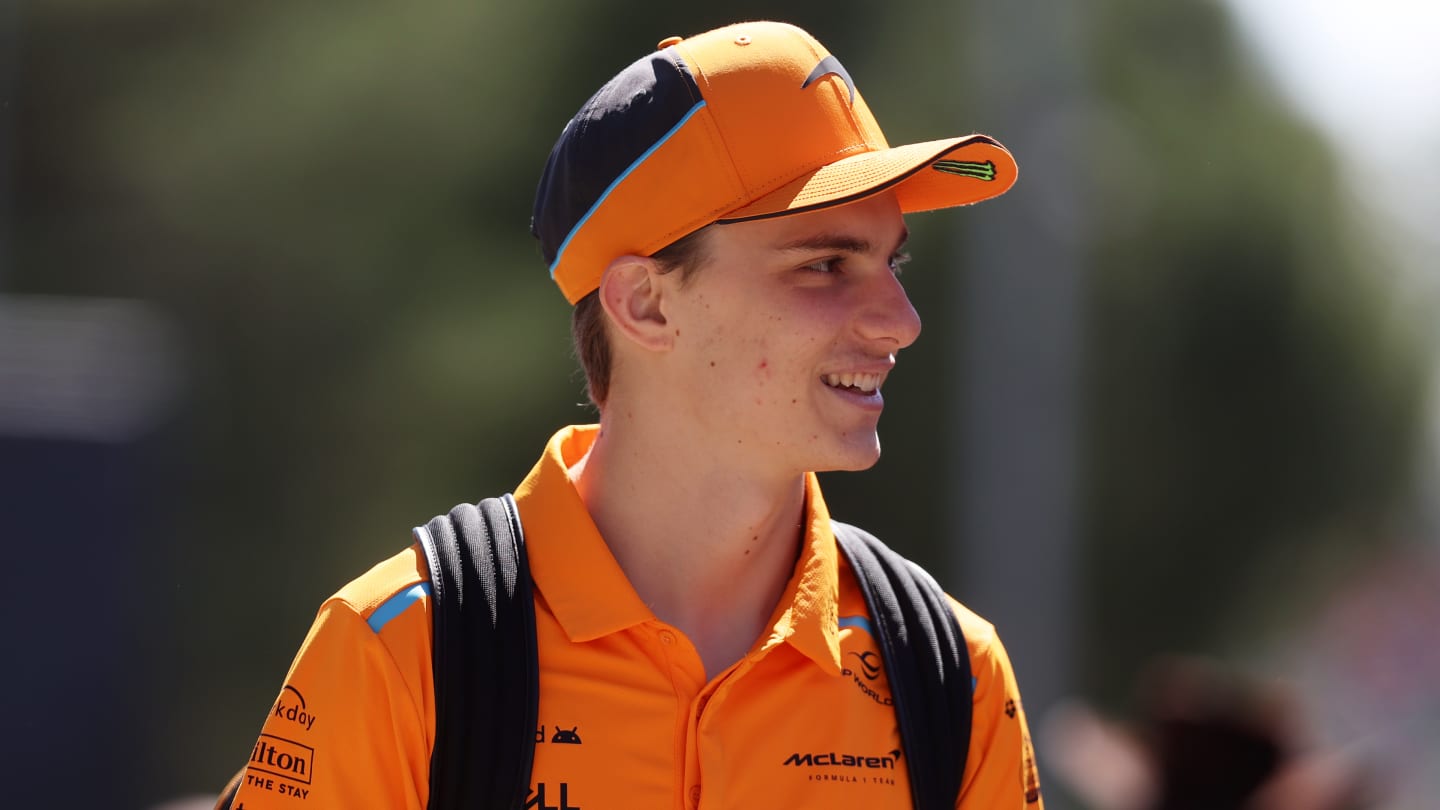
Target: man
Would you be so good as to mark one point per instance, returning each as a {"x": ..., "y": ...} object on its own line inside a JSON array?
[{"x": 727, "y": 219}]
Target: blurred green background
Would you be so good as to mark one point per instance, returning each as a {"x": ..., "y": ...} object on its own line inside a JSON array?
[{"x": 270, "y": 265}]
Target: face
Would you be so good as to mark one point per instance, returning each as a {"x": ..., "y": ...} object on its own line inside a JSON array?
[{"x": 786, "y": 334}]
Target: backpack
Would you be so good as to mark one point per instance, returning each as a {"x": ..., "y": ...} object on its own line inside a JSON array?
[
  {"x": 487, "y": 697},
  {"x": 487, "y": 694}
]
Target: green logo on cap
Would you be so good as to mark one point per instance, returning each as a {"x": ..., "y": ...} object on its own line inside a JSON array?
[{"x": 979, "y": 171}]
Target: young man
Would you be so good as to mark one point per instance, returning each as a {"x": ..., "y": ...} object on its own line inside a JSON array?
[{"x": 727, "y": 219}]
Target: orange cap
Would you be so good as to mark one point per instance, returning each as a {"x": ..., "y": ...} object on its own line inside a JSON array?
[{"x": 748, "y": 121}]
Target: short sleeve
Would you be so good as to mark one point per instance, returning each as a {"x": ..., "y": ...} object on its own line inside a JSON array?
[
  {"x": 1000, "y": 771},
  {"x": 349, "y": 727}
]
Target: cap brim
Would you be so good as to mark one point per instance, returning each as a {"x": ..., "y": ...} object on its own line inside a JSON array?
[{"x": 924, "y": 176}]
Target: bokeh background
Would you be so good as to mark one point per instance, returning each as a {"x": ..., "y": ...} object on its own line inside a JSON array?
[{"x": 268, "y": 299}]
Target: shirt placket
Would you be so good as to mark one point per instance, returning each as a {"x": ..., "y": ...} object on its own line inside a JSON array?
[{"x": 698, "y": 704}]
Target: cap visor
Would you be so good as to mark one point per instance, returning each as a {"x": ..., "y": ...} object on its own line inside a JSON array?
[{"x": 925, "y": 176}]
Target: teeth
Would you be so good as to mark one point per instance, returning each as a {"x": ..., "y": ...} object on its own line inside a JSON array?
[{"x": 864, "y": 382}]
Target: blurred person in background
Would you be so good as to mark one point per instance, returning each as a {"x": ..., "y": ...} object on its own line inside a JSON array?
[
  {"x": 1203, "y": 738},
  {"x": 728, "y": 222}
]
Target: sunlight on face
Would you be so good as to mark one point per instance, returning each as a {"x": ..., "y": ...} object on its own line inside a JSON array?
[{"x": 788, "y": 333}]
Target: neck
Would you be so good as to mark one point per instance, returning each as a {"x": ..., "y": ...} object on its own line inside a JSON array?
[{"x": 706, "y": 546}]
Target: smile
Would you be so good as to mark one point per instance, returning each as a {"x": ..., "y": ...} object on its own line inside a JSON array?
[{"x": 867, "y": 383}]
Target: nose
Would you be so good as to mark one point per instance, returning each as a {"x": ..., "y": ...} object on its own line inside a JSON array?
[{"x": 888, "y": 316}]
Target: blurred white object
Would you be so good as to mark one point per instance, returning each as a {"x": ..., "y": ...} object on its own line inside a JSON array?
[{"x": 89, "y": 369}]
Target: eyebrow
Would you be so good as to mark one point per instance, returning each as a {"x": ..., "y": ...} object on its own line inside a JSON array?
[{"x": 840, "y": 242}]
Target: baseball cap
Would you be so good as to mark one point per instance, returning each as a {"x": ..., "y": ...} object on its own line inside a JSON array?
[{"x": 744, "y": 122}]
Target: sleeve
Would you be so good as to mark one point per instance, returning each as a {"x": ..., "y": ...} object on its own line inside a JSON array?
[
  {"x": 1000, "y": 768},
  {"x": 348, "y": 729}
]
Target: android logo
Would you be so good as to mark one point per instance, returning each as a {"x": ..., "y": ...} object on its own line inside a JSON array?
[{"x": 566, "y": 735}]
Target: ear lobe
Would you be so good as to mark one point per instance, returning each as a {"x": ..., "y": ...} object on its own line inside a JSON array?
[{"x": 631, "y": 295}]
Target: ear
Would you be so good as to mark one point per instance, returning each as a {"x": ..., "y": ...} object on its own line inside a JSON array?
[{"x": 632, "y": 292}]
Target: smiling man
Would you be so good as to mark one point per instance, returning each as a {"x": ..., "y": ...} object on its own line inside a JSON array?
[{"x": 728, "y": 221}]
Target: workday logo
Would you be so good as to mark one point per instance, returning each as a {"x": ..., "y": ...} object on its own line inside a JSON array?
[{"x": 291, "y": 706}]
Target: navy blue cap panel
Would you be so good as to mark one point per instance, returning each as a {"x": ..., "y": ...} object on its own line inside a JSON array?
[{"x": 613, "y": 130}]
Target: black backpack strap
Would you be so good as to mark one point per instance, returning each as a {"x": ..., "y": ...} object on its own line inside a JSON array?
[
  {"x": 486, "y": 666},
  {"x": 926, "y": 660}
]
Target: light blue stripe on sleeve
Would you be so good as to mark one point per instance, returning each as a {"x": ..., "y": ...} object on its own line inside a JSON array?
[
  {"x": 857, "y": 621},
  {"x": 396, "y": 605}
]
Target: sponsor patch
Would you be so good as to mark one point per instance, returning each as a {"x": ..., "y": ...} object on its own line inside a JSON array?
[{"x": 287, "y": 759}]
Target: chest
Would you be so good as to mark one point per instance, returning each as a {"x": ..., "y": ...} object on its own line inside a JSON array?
[{"x": 628, "y": 721}]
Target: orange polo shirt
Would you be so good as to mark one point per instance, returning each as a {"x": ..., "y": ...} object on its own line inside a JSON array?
[{"x": 627, "y": 716}]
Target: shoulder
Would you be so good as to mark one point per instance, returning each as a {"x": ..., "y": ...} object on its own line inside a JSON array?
[
  {"x": 980, "y": 635},
  {"x": 395, "y": 589},
  {"x": 981, "y": 640},
  {"x": 373, "y": 634}
]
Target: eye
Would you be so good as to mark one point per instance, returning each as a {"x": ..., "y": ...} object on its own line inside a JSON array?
[
  {"x": 898, "y": 261},
  {"x": 827, "y": 265}
]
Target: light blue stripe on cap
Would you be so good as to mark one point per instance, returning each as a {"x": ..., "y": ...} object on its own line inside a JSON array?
[
  {"x": 857, "y": 621},
  {"x": 396, "y": 605},
  {"x": 606, "y": 193}
]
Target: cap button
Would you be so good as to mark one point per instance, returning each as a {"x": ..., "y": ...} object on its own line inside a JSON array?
[{"x": 667, "y": 42}]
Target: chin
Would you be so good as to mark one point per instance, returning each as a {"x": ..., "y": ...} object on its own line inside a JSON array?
[{"x": 853, "y": 457}]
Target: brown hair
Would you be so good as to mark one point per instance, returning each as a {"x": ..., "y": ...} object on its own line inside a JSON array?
[{"x": 587, "y": 322}]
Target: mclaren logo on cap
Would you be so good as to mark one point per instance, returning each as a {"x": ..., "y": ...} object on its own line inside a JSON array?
[
  {"x": 827, "y": 66},
  {"x": 979, "y": 171}
]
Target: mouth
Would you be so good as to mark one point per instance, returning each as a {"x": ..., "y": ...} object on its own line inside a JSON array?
[{"x": 859, "y": 383}]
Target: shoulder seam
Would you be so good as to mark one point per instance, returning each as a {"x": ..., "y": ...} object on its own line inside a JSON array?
[{"x": 397, "y": 604}]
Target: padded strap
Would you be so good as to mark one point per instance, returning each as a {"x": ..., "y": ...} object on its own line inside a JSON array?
[
  {"x": 486, "y": 668},
  {"x": 926, "y": 660}
]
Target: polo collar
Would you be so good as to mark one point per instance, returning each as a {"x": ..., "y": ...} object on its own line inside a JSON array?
[
  {"x": 572, "y": 567},
  {"x": 590, "y": 596},
  {"x": 808, "y": 613}
]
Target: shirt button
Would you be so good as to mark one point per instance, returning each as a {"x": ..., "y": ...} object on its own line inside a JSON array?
[
  {"x": 695, "y": 795},
  {"x": 667, "y": 636}
]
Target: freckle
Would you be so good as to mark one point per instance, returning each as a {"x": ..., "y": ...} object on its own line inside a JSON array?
[
  {"x": 794, "y": 401},
  {"x": 747, "y": 552},
  {"x": 712, "y": 364},
  {"x": 677, "y": 333}
]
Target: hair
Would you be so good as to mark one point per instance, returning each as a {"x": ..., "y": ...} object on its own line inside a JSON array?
[{"x": 587, "y": 322}]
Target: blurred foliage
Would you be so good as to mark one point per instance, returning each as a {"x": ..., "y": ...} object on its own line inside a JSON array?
[
  {"x": 332, "y": 200},
  {"x": 1254, "y": 394}
]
